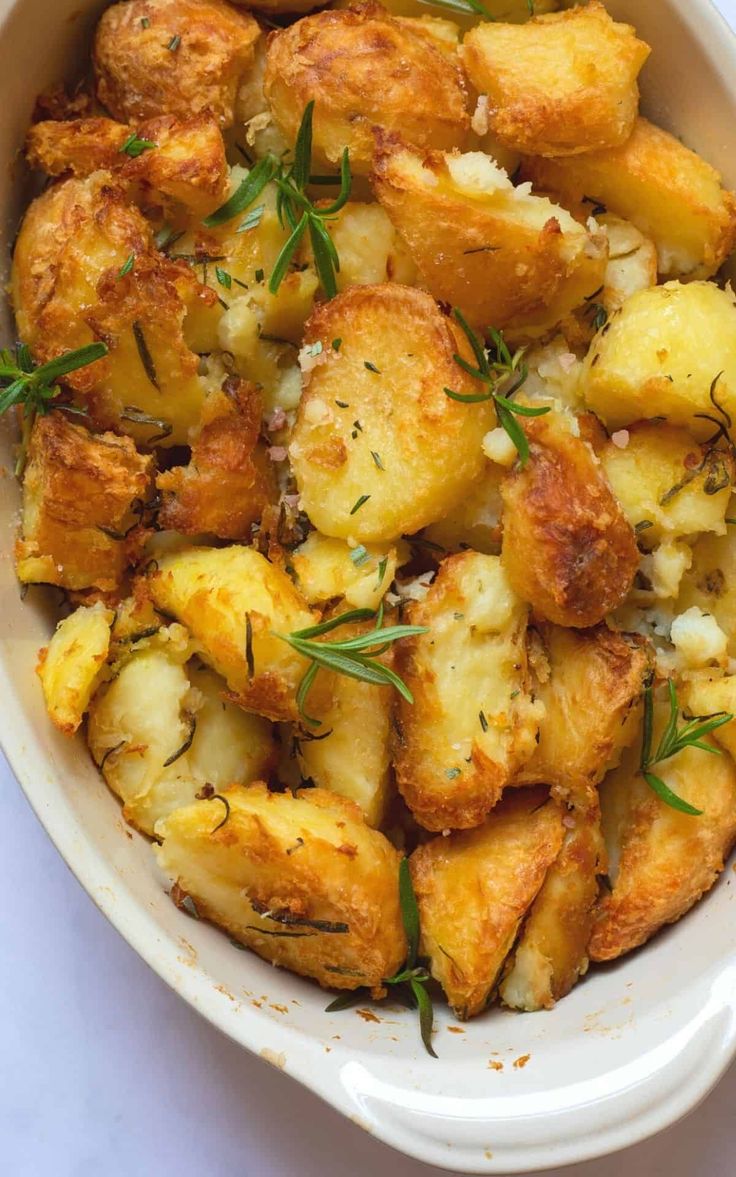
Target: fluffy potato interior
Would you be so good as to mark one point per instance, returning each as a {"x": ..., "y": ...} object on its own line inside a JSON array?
[
  {"x": 71, "y": 666},
  {"x": 473, "y": 722},
  {"x": 710, "y": 583},
  {"x": 302, "y": 880},
  {"x": 476, "y": 520},
  {"x": 327, "y": 569},
  {"x": 474, "y": 888}
]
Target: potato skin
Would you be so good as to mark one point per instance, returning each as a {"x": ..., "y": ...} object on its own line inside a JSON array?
[
  {"x": 78, "y": 490},
  {"x": 428, "y": 445},
  {"x": 567, "y": 547},
  {"x": 229, "y": 480},
  {"x": 70, "y": 667},
  {"x": 451, "y": 766},
  {"x": 344, "y": 873},
  {"x": 671, "y": 194},
  {"x": 663, "y": 861},
  {"x": 655, "y": 358},
  {"x": 474, "y": 888},
  {"x": 138, "y": 76},
  {"x": 560, "y": 84},
  {"x": 466, "y": 235},
  {"x": 363, "y": 69},
  {"x": 212, "y": 591},
  {"x": 591, "y": 693}
]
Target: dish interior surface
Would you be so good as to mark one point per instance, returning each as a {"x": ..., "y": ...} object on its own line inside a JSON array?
[{"x": 635, "y": 1045}]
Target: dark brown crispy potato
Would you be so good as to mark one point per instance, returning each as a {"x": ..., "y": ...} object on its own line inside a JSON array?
[
  {"x": 229, "y": 480},
  {"x": 182, "y": 57},
  {"x": 363, "y": 69},
  {"x": 567, "y": 547},
  {"x": 77, "y": 495}
]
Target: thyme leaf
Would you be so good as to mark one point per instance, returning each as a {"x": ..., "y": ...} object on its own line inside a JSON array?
[{"x": 133, "y": 146}]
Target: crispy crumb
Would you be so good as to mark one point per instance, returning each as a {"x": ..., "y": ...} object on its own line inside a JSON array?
[{"x": 521, "y": 1061}]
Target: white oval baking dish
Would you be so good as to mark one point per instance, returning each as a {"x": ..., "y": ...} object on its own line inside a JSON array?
[{"x": 633, "y": 1048}]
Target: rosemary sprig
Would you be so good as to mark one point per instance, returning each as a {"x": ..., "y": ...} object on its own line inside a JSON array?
[
  {"x": 36, "y": 388},
  {"x": 355, "y": 657},
  {"x": 464, "y": 7},
  {"x": 497, "y": 368},
  {"x": 248, "y": 191},
  {"x": 674, "y": 740}
]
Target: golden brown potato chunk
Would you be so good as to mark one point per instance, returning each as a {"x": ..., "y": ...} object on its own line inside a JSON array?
[
  {"x": 327, "y": 569},
  {"x": 567, "y": 547},
  {"x": 78, "y": 526},
  {"x": 667, "y": 191},
  {"x": 70, "y": 667},
  {"x": 304, "y": 868},
  {"x": 363, "y": 69},
  {"x": 474, "y": 889},
  {"x": 661, "y": 860},
  {"x": 234, "y": 602},
  {"x": 657, "y": 358},
  {"x": 68, "y": 291},
  {"x": 187, "y": 163},
  {"x": 551, "y": 953},
  {"x": 710, "y": 582},
  {"x": 560, "y": 84},
  {"x": 590, "y": 683},
  {"x": 473, "y": 723},
  {"x": 181, "y": 57},
  {"x": 229, "y": 480},
  {"x": 467, "y": 228},
  {"x": 378, "y": 448}
]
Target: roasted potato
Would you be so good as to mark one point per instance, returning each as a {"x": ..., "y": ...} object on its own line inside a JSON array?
[
  {"x": 369, "y": 248},
  {"x": 590, "y": 683},
  {"x": 560, "y": 84},
  {"x": 708, "y": 696},
  {"x": 661, "y": 860},
  {"x": 567, "y": 547},
  {"x": 161, "y": 732},
  {"x": 551, "y": 953},
  {"x": 307, "y": 862},
  {"x": 467, "y": 228},
  {"x": 327, "y": 569},
  {"x": 669, "y": 352},
  {"x": 72, "y": 665},
  {"x": 474, "y": 888},
  {"x": 79, "y": 525},
  {"x": 476, "y": 520},
  {"x": 235, "y": 602},
  {"x": 698, "y": 640},
  {"x": 379, "y": 449},
  {"x": 229, "y": 479},
  {"x": 363, "y": 69},
  {"x": 473, "y": 722},
  {"x": 181, "y": 57},
  {"x": 68, "y": 290},
  {"x": 632, "y": 262},
  {"x": 668, "y": 485},
  {"x": 710, "y": 583},
  {"x": 670, "y": 194}
]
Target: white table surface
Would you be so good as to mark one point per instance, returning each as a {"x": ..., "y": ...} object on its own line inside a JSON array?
[{"x": 104, "y": 1072}]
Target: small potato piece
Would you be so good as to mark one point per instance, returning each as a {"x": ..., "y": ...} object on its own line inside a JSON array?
[
  {"x": 77, "y": 527},
  {"x": 476, "y": 521},
  {"x": 661, "y": 355},
  {"x": 427, "y": 444},
  {"x": 710, "y": 583},
  {"x": 79, "y": 146},
  {"x": 661, "y": 477},
  {"x": 229, "y": 480},
  {"x": 215, "y": 592},
  {"x": 327, "y": 568},
  {"x": 474, "y": 888},
  {"x": 670, "y": 194},
  {"x": 473, "y": 723},
  {"x": 567, "y": 547},
  {"x": 70, "y": 667},
  {"x": 707, "y": 696},
  {"x": 467, "y": 228},
  {"x": 632, "y": 262},
  {"x": 560, "y": 84},
  {"x": 552, "y": 951},
  {"x": 662, "y": 860},
  {"x": 161, "y": 732},
  {"x": 181, "y": 57},
  {"x": 363, "y": 69},
  {"x": 591, "y": 693},
  {"x": 369, "y": 248},
  {"x": 342, "y": 885}
]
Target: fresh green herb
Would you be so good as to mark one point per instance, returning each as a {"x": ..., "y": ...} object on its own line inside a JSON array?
[
  {"x": 483, "y": 721},
  {"x": 127, "y": 266},
  {"x": 359, "y": 556},
  {"x": 145, "y": 22},
  {"x": 253, "y": 219},
  {"x": 355, "y": 657},
  {"x": 382, "y": 566},
  {"x": 244, "y": 195},
  {"x": 297, "y": 212},
  {"x": 259, "y": 275},
  {"x": 133, "y": 146},
  {"x": 496, "y": 366},
  {"x": 359, "y": 503},
  {"x": 452, "y": 773},
  {"x": 137, "y": 417},
  {"x": 530, "y": 6},
  {"x": 377, "y": 459},
  {"x": 282, "y": 915},
  {"x": 249, "y": 656},
  {"x": 187, "y": 743},
  {"x": 336, "y": 344},
  {"x": 371, "y": 367},
  {"x": 223, "y": 278},
  {"x": 166, "y": 237},
  {"x": 672, "y": 741},
  {"x": 174, "y": 43},
  {"x": 464, "y": 7},
  {"x": 145, "y": 356}
]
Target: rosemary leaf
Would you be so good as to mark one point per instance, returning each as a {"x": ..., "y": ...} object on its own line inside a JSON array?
[{"x": 244, "y": 195}]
